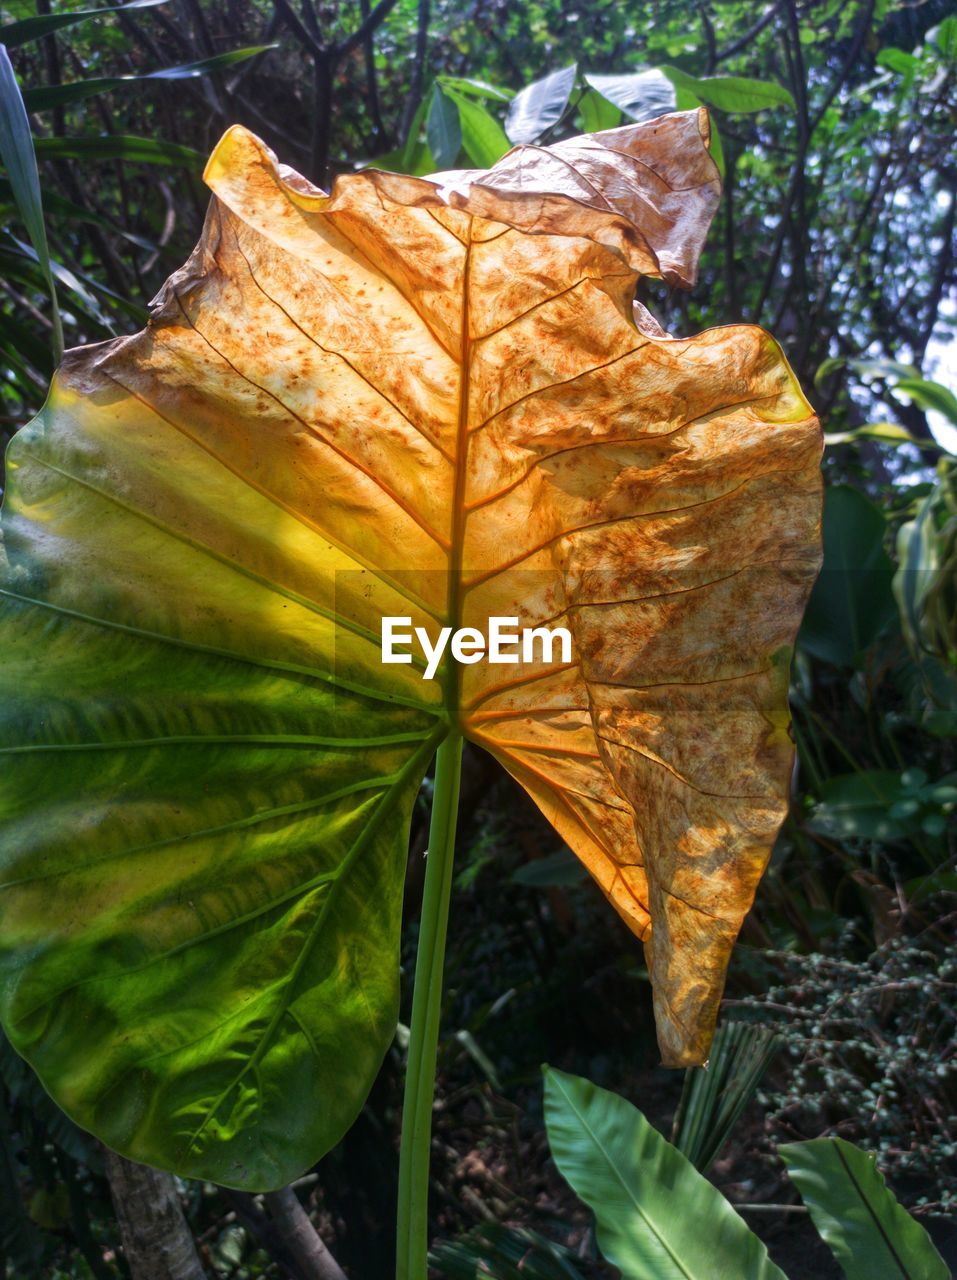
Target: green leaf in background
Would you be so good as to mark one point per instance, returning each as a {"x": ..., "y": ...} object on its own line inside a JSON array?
[
  {"x": 871, "y": 1235},
  {"x": 414, "y": 156},
  {"x": 58, "y": 95},
  {"x": 930, "y": 395},
  {"x": 641, "y": 95},
  {"x": 17, "y": 33},
  {"x": 557, "y": 870},
  {"x": 540, "y": 105},
  {"x": 19, "y": 158},
  {"x": 597, "y": 113},
  {"x": 855, "y": 806},
  {"x": 483, "y": 138},
  {"x": 884, "y": 432},
  {"x": 656, "y": 1217},
  {"x": 735, "y": 94},
  {"x": 507, "y": 1253},
  {"x": 713, "y": 1097},
  {"x": 443, "y": 130},
  {"x": 852, "y": 599},
  {"x": 120, "y": 146}
]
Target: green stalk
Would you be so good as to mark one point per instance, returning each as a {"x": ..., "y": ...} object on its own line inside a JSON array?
[{"x": 415, "y": 1151}]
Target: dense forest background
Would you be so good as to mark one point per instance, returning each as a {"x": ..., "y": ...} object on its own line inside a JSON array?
[{"x": 836, "y": 231}]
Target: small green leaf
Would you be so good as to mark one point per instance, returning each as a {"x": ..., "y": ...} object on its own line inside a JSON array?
[
  {"x": 897, "y": 60},
  {"x": 597, "y": 113},
  {"x": 483, "y": 137},
  {"x": 870, "y": 1234},
  {"x": 644, "y": 1193},
  {"x": 540, "y": 105},
  {"x": 736, "y": 94},
  {"x": 18, "y": 155},
  {"x": 474, "y": 88},
  {"x": 930, "y": 395},
  {"x": 443, "y": 130},
  {"x": 120, "y": 146},
  {"x": 49, "y": 96},
  {"x": 17, "y": 33},
  {"x": 858, "y": 806},
  {"x": 885, "y": 432},
  {"x": 852, "y": 600}
]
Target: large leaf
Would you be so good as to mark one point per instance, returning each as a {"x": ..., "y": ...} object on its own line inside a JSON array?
[
  {"x": 540, "y": 105},
  {"x": 852, "y": 600},
  {"x": 870, "y": 1233},
  {"x": 656, "y": 1216},
  {"x": 414, "y": 399}
]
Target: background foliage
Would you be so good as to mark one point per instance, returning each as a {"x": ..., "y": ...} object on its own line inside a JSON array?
[{"x": 836, "y": 231}]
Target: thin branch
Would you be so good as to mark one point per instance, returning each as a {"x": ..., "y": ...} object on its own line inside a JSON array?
[
  {"x": 299, "y": 29},
  {"x": 366, "y": 27},
  {"x": 708, "y": 28},
  {"x": 944, "y": 260},
  {"x": 743, "y": 41},
  {"x": 301, "y": 1237},
  {"x": 418, "y": 71},
  {"x": 372, "y": 82}
]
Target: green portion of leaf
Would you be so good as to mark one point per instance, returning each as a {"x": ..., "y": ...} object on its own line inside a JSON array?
[
  {"x": 17, "y": 33},
  {"x": 897, "y": 60},
  {"x": 736, "y": 94},
  {"x": 120, "y": 146},
  {"x": 483, "y": 138},
  {"x": 852, "y": 600},
  {"x": 885, "y": 432},
  {"x": 871, "y": 1235},
  {"x": 47, "y": 97},
  {"x": 19, "y": 158},
  {"x": 443, "y": 130},
  {"x": 475, "y": 88},
  {"x": 597, "y": 113},
  {"x": 641, "y": 95},
  {"x": 856, "y": 806},
  {"x": 644, "y": 1193},
  {"x": 930, "y": 395},
  {"x": 540, "y": 105}
]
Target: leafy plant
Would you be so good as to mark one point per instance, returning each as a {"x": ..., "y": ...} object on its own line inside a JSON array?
[
  {"x": 644, "y": 1193},
  {"x": 238, "y": 814}
]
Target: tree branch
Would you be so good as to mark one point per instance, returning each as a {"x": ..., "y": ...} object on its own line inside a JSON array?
[
  {"x": 301, "y": 1237},
  {"x": 366, "y": 27}
]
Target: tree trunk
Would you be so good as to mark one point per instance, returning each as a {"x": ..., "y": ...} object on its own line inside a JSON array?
[{"x": 156, "y": 1239}]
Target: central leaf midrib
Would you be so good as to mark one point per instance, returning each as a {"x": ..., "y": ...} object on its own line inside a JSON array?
[{"x": 459, "y": 514}]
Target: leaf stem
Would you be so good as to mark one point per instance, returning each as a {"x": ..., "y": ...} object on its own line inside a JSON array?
[{"x": 415, "y": 1150}]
